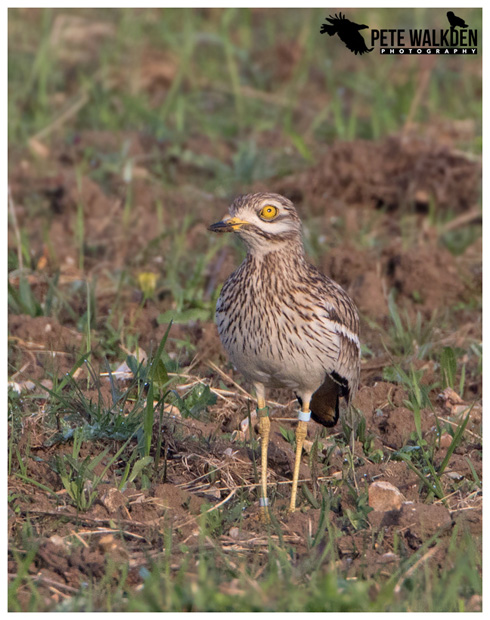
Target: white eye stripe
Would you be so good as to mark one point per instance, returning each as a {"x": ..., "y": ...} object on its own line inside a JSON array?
[{"x": 274, "y": 220}]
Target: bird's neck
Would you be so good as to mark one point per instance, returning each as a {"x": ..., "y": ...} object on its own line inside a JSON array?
[{"x": 287, "y": 258}]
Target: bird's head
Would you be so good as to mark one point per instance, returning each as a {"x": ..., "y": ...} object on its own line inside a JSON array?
[{"x": 264, "y": 221}]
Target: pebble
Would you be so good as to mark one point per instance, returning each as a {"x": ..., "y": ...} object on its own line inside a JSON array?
[
  {"x": 384, "y": 496},
  {"x": 446, "y": 440}
]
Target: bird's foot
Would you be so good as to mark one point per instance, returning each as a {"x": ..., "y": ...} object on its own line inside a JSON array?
[
  {"x": 264, "y": 510},
  {"x": 265, "y": 515}
]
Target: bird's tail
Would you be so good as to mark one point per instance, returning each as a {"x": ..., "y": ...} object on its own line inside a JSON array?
[
  {"x": 324, "y": 404},
  {"x": 331, "y": 30},
  {"x": 325, "y": 414}
]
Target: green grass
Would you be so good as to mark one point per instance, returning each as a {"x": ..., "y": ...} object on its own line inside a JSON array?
[
  {"x": 409, "y": 337},
  {"x": 225, "y": 49}
]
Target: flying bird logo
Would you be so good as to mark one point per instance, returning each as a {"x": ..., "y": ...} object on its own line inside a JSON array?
[{"x": 348, "y": 33}]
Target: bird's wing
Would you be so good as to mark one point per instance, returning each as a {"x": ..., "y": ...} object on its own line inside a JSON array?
[
  {"x": 338, "y": 20},
  {"x": 333, "y": 328},
  {"x": 331, "y": 30},
  {"x": 354, "y": 41}
]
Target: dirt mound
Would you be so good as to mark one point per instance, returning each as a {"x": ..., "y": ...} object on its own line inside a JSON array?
[
  {"x": 385, "y": 414},
  {"x": 393, "y": 174},
  {"x": 430, "y": 276},
  {"x": 425, "y": 278},
  {"x": 360, "y": 273}
]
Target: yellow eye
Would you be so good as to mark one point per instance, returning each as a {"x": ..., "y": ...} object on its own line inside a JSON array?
[{"x": 269, "y": 212}]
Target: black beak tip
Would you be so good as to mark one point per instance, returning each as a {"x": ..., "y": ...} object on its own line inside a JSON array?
[{"x": 220, "y": 227}]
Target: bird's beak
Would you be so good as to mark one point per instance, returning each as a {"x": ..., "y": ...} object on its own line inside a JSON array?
[{"x": 228, "y": 224}]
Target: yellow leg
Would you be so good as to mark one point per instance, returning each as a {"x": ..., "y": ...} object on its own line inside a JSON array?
[
  {"x": 301, "y": 431},
  {"x": 264, "y": 431},
  {"x": 260, "y": 402}
]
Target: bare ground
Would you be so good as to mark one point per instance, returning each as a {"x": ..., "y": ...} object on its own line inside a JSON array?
[{"x": 356, "y": 193}]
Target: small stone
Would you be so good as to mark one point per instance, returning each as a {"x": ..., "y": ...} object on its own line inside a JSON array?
[
  {"x": 47, "y": 384},
  {"x": 238, "y": 436},
  {"x": 245, "y": 422},
  {"x": 113, "y": 547},
  {"x": 450, "y": 397},
  {"x": 446, "y": 440},
  {"x": 113, "y": 499},
  {"x": 57, "y": 540},
  {"x": 107, "y": 542},
  {"x": 22, "y": 387},
  {"x": 172, "y": 411},
  {"x": 384, "y": 496},
  {"x": 15, "y": 386},
  {"x": 457, "y": 410},
  {"x": 307, "y": 446},
  {"x": 457, "y": 406},
  {"x": 123, "y": 372},
  {"x": 234, "y": 532},
  {"x": 454, "y": 475},
  {"x": 476, "y": 414},
  {"x": 228, "y": 452}
]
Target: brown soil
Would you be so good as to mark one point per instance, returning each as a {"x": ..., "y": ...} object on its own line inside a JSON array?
[
  {"x": 394, "y": 174},
  {"x": 397, "y": 176}
]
